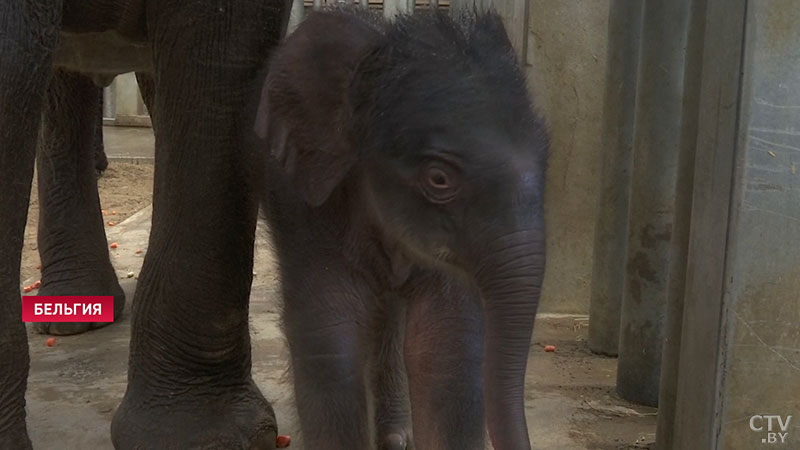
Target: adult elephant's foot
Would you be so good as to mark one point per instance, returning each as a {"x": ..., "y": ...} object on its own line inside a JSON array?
[
  {"x": 223, "y": 418},
  {"x": 15, "y": 438},
  {"x": 107, "y": 285}
]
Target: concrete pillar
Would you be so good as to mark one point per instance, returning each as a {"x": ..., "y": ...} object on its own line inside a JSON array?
[
  {"x": 680, "y": 230},
  {"x": 129, "y": 107},
  {"x": 296, "y": 16},
  {"x": 127, "y": 92},
  {"x": 739, "y": 357},
  {"x": 109, "y": 100},
  {"x": 655, "y": 160},
  {"x": 611, "y": 230}
]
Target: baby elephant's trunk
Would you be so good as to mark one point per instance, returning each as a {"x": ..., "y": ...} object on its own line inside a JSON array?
[{"x": 510, "y": 280}]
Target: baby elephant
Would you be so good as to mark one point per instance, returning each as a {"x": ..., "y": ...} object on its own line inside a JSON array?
[{"x": 405, "y": 199}]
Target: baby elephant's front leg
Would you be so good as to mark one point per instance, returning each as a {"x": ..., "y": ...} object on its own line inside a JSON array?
[
  {"x": 326, "y": 328},
  {"x": 392, "y": 414},
  {"x": 443, "y": 354}
]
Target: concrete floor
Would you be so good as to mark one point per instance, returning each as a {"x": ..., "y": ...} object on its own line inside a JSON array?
[{"x": 75, "y": 386}]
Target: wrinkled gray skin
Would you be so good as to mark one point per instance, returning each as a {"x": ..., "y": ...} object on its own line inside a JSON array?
[
  {"x": 405, "y": 200},
  {"x": 63, "y": 151},
  {"x": 201, "y": 65},
  {"x": 100, "y": 158}
]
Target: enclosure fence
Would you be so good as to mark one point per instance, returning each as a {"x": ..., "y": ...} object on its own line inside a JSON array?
[{"x": 390, "y": 8}]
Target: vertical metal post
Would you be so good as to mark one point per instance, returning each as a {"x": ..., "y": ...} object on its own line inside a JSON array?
[
  {"x": 680, "y": 232},
  {"x": 655, "y": 160},
  {"x": 739, "y": 333},
  {"x": 611, "y": 229}
]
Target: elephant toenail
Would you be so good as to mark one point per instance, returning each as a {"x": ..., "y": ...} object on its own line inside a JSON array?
[{"x": 395, "y": 441}]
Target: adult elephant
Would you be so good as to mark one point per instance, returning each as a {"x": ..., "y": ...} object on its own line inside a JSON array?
[{"x": 189, "y": 381}]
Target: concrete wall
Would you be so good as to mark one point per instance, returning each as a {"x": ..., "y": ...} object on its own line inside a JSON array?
[
  {"x": 123, "y": 104},
  {"x": 566, "y": 71}
]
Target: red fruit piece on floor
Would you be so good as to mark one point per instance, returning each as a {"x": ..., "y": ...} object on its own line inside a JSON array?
[
  {"x": 37, "y": 284},
  {"x": 114, "y": 245},
  {"x": 283, "y": 441},
  {"x": 114, "y": 212},
  {"x": 50, "y": 342},
  {"x": 549, "y": 348},
  {"x": 39, "y": 267},
  {"x": 27, "y": 289},
  {"x": 139, "y": 251},
  {"x": 104, "y": 212},
  {"x": 111, "y": 224}
]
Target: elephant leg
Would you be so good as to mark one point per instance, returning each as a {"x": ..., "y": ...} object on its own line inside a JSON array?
[
  {"x": 392, "y": 414},
  {"x": 100, "y": 158},
  {"x": 325, "y": 323},
  {"x": 72, "y": 240},
  {"x": 147, "y": 87},
  {"x": 29, "y": 36},
  {"x": 443, "y": 353},
  {"x": 189, "y": 378}
]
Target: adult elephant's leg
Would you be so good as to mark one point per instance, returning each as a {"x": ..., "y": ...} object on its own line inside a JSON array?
[
  {"x": 189, "y": 383},
  {"x": 392, "y": 414},
  {"x": 30, "y": 33},
  {"x": 100, "y": 158},
  {"x": 325, "y": 321},
  {"x": 443, "y": 353},
  {"x": 72, "y": 239},
  {"x": 147, "y": 87}
]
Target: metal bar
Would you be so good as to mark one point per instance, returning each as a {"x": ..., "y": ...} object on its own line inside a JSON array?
[
  {"x": 659, "y": 99},
  {"x": 611, "y": 226},
  {"x": 740, "y": 301},
  {"x": 684, "y": 185}
]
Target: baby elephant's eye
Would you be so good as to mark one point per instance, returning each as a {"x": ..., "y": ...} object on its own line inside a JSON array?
[
  {"x": 438, "y": 178},
  {"x": 439, "y": 182}
]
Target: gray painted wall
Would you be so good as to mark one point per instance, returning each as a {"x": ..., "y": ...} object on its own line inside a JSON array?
[
  {"x": 761, "y": 367},
  {"x": 566, "y": 72}
]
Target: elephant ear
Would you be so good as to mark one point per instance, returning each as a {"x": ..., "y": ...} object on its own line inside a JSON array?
[{"x": 305, "y": 112}]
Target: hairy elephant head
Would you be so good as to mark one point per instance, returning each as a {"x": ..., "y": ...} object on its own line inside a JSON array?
[{"x": 433, "y": 117}]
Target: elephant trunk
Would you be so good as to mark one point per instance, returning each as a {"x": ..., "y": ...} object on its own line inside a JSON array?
[{"x": 510, "y": 280}]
